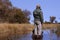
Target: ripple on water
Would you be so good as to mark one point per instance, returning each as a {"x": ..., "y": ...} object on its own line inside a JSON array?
[{"x": 47, "y": 35}]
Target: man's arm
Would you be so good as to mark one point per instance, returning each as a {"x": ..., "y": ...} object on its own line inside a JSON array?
[{"x": 41, "y": 14}]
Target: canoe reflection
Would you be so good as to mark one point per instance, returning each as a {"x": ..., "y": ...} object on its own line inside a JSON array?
[{"x": 47, "y": 35}]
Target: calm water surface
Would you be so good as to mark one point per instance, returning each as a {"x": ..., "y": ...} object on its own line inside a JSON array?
[{"x": 47, "y": 35}]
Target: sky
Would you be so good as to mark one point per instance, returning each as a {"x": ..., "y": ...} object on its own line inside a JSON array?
[{"x": 49, "y": 7}]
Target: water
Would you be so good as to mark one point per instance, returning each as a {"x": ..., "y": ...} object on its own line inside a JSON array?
[
  {"x": 26, "y": 37},
  {"x": 47, "y": 35}
]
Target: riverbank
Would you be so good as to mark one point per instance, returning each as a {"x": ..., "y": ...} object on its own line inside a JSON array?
[
  {"x": 9, "y": 30},
  {"x": 50, "y": 25}
]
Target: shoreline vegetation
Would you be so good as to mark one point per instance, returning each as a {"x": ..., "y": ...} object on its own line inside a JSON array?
[
  {"x": 15, "y": 30},
  {"x": 9, "y": 30},
  {"x": 54, "y": 27}
]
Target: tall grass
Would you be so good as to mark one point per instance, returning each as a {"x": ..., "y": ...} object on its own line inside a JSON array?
[
  {"x": 14, "y": 31},
  {"x": 58, "y": 30}
]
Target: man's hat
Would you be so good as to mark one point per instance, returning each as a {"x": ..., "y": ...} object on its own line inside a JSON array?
[{"x": 38, "y": 5}]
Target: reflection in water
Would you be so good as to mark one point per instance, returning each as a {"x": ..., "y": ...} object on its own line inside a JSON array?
[
  {"x": 26, "y": 37},
  {"x": 47, "y": 35}
]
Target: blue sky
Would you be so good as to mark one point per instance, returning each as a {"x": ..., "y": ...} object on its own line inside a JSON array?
[{"x": 49, "y": 7}]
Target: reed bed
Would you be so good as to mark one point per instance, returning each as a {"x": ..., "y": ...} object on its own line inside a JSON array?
[{"x": 10, "y": 31}]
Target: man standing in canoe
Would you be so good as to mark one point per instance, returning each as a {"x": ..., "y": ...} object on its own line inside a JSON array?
[{"x": 38, "y": 20}]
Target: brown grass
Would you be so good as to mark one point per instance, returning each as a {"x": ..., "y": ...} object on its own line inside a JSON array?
[
  {"x": 58, "y": 31},
  {"x": 9, "y": 30}
]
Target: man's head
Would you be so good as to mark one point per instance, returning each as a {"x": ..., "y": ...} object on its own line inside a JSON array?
[{"x": 38, "y": 6}]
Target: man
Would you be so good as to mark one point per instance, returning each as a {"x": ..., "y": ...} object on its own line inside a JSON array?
[
  {"x": 37, "y": 14},
  {"x": 38, "y": 20}
]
